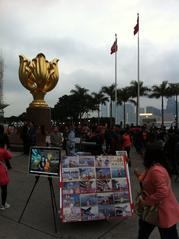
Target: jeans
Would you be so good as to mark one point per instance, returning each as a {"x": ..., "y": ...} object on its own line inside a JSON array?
[{"x": 145, "y": 229}]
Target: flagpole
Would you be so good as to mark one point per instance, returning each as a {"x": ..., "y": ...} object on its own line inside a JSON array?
[
  {"x": 116, "y": 81},
  {"x": 138, "y": 76}
]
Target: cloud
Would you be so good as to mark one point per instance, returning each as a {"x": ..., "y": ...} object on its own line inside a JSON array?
[{"x": 80, "y": 33}]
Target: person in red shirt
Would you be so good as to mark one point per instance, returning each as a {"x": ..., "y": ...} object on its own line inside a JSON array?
[
  {"x": 4, "y": 178},
  {"x": 126, "y": 144}
]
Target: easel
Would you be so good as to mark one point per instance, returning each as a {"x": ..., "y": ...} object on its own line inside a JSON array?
[{"x": 52, "y": 193}]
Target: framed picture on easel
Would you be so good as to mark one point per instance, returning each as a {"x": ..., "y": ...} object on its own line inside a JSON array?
[{"x": 44, "y": 161}]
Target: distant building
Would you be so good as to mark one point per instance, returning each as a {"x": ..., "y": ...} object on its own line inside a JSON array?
[
  {"x": 142, "y": 110},
  {"x": 2, "y": 104},
  {"x": 153, "y": 110},
  {"x": 130, "y": 112},
  {"x": 105, "y": 110},
  {"x": 171, "y": 105}
]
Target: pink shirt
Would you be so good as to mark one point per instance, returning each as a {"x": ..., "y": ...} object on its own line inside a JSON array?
[{"x": 157, "y": 184}]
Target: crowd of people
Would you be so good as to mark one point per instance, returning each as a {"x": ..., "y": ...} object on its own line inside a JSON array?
[
  {"x": 100, "y": 139},
  {"x": 158, "y": 147}
]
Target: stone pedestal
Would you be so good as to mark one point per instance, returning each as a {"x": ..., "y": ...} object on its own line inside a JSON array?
[{"x": 39, "y": 116}]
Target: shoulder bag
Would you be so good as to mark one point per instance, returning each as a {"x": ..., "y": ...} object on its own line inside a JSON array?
[{"x": 146, "y": 213}]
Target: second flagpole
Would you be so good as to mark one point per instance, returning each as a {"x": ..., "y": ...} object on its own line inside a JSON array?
[
  {"x": 138, "y": 77},
  {"x": 116, "y": 81}
]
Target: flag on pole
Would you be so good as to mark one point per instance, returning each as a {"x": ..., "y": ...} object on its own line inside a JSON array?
[
  {"x": 136, "y": 28},
  {"x": 114, "y": 47}
]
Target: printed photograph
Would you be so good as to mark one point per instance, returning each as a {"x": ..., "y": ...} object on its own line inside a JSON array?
[
  {"x": 121, "y": 153},
  {"x": 72, "y": 214},
  {"x": 118, "y": 172},
  {"x": 71, "y": 188},
  {"x": 106, "y": 211},
  {"x": 119, "y": 184},
  {"x": 104, "y": 185},
  {"x": 103, "y": 173},
  {"x": 102, "y": 161},
  {"x": 105, "y": 198},
  {"x": 123, "y": 209},
  {"x": 87, "y": 173},
  {"x": 86, "y": 161},
  {"x": 70, "y": 162},
  {"x": 88, "y": 186},
  {"x": 89, "y": 213},
  {"x": 70, "y": 174},
  {"x": 71, "y": 200},
  {"x": 117, "y": 161},
  {"x": 121, "y": 197},
  {"x": 45, "y": 161},
  {"x": 88, "y": 200}
]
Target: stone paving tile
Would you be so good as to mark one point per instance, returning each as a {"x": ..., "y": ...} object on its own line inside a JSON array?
[{"x": 37, "y": 221}]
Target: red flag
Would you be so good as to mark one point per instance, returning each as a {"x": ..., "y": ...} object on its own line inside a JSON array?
[
  {"x": 136, "y": 28},
  {"x": 114, "y": 47}
]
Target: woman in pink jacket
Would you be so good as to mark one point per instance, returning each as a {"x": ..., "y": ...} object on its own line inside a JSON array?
[
  {"x": 156, "y": 182},
  {"x": 4, "y": 178}
]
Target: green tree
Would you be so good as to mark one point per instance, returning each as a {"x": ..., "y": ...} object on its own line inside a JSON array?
[
  {"x": 82, "y": 99},
  {"x": 66, "y": 107},
  {"x": 110, "y": 92},
  {"x": 99, "y": 98},
  {"x": 133, "y": 92},
  {"x": 160, "y": 91},
  {"x": 123, "y": 96}
]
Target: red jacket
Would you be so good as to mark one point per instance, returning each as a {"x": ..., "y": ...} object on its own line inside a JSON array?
[
  {"x": 126, "y": 140},
  {"x": 157, "y": 184},
  {"x": 4, "y": 178}
]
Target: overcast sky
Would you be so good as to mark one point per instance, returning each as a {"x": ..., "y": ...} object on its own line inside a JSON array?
[{"x": 80, "y": 33}]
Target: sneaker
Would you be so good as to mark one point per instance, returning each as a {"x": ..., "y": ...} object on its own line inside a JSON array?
[
  {"x": 2, "y": 207},
  {"x": 7, "y": 205}
]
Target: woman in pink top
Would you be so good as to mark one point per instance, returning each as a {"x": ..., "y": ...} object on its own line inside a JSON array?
[{"x": 156, "y": 182}]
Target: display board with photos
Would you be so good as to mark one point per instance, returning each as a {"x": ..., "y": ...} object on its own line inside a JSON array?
[{"x": 95, "y": 188}]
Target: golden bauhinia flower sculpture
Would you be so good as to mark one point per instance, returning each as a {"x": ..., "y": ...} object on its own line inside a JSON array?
[{"x": 39, "y": 76}]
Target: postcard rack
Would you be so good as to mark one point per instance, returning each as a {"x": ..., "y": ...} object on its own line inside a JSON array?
[{"x": 95, "y": 188}]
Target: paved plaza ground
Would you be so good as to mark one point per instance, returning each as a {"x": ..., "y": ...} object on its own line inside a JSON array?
[{"x": 37, "y": 221}]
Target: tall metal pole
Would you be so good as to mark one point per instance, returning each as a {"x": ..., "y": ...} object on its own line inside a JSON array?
[
  {"x": 116, "y": 81},
  {"x": 1, "y": 79},
  {"x": 138, "y": 76}
]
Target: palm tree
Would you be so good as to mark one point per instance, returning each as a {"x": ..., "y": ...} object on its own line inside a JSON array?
[
  {"x": 173, "y": 90},
  {"x": 123, "y": 96},
  {"x": 66, "y": 107},
  {"x": 109, "y": 91},
  {"x": 99, "y": 98},
  {"x": 81, "y": 98},
  {"x": 160, "y": 91},
  {"x": 133, "y": 91}
]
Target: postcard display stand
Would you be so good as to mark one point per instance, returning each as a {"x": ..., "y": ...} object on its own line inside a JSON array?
[{"x": 95, "y": 188}]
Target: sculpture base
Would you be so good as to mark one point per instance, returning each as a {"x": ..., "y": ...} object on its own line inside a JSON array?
[{"x": 39, "y": 116}]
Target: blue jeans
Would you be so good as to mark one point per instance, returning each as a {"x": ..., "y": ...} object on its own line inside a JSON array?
[{"x": 145, "y": 229}]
